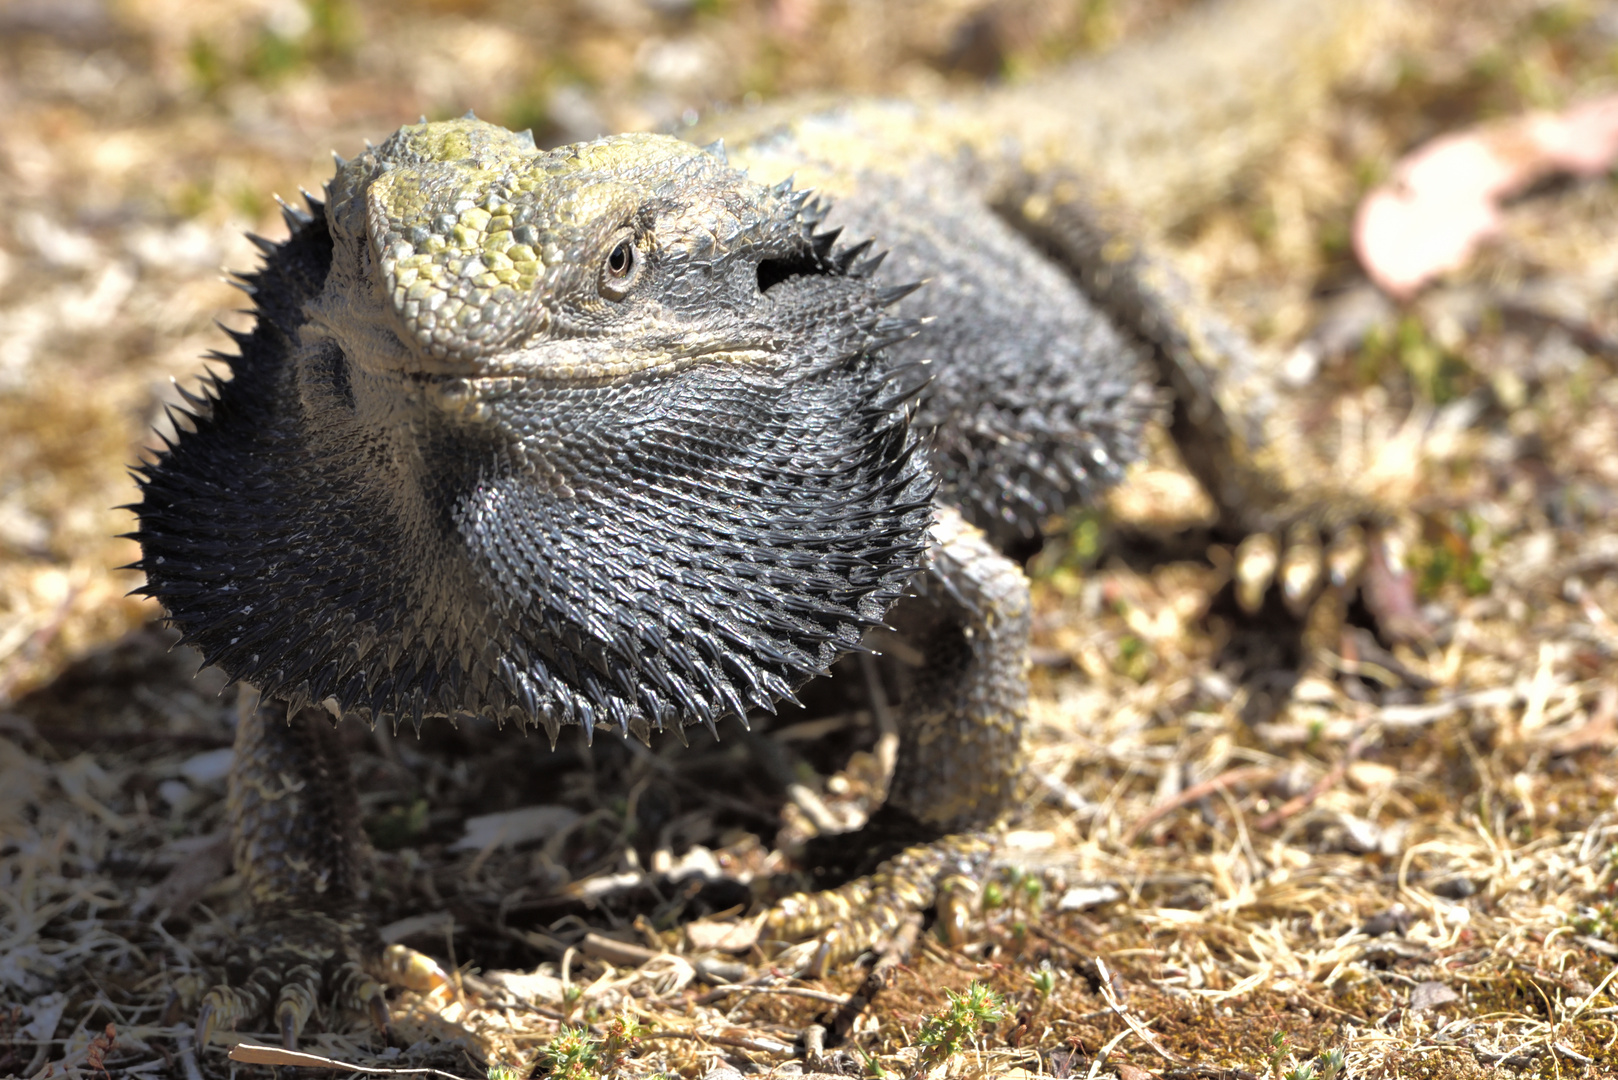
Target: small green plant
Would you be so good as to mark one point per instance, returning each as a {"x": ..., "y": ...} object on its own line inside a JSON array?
[
  {"x": 1135, "y": 658},
  {"x": 1044, "y": 981},
  {"x": 1024, "y": 892},
  {"x": 502, "y": 1071},
  {"x": 872, "y": 1065},
  {"x": 1072, "y": 551},
  {"x": 623, "y": 1033},
  {"x": 948, "y": 1033},
  {"x": 1434, "y": 373},
  {"x": 1084, "y": 539},
  {"x": 1302, "y": 1072},
  {"x": 1449, "y": 554},
  {"x": 573, "y": 1055},
  {"x": 1332, "y": 1065},
  {"x": 398, "y": 826},
  {"x": 208, "y": 67}
]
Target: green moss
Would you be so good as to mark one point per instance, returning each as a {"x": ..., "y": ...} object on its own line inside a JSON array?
[{"x": 1410, "y": 355}]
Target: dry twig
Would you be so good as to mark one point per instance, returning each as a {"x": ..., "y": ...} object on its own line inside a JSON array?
[
  {"x": 1111, "y": 998},
  {"x": 1249, "y": 774}
]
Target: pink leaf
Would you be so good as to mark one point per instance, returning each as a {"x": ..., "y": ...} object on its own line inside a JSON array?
[{"x": 1444, "y": 198}]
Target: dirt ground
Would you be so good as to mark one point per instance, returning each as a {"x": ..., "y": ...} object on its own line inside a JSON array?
[{"x": 1249, "y": 844}]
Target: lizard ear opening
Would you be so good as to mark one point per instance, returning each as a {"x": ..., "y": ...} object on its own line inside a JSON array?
[
  {"x": 814, "y": 260},
  {"x": 771, "y": 272}
]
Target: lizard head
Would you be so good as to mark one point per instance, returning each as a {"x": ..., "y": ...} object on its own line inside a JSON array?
[
  {"x": 600, "y": 435},
  {"x": 462, "y": 250}
]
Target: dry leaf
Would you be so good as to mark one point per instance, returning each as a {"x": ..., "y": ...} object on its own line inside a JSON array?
[{"x": 1430, "y": 995}]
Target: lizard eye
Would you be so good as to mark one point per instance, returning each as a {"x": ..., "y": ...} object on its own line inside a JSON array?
[{"x": 621, "y": 270}]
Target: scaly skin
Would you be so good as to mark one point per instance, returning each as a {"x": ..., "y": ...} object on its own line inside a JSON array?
[{"x": 611, "y": 436}]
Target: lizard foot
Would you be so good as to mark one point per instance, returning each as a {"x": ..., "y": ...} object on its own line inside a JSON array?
[
  {"x": 299, "y": 963},
  {"x": 831, "y": 928},
  {"x": 1316, "y": 577}
]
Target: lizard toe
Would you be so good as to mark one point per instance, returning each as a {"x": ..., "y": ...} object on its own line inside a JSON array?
[{"x": 817, "y": 932}]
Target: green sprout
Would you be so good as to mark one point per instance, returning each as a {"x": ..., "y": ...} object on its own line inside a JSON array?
[
  {"x": 1033, "y": 892},
  {"x": 1278, "y": 1052},
  {"x": 398, "y": 826},
  {"x": 623, "y": 1032},
  {"x": 1044, "y": 981}
]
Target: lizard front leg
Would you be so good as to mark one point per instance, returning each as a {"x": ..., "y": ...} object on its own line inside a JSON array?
[
  {"x": 960, "y": 751},
  {"x": 298, "y": 848}
]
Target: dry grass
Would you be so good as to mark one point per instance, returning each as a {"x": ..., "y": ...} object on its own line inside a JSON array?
[{"x": 1239, "y": 829}]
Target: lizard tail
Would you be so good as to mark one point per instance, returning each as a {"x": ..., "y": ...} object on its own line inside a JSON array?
[{"x": 1170, "y": 123}]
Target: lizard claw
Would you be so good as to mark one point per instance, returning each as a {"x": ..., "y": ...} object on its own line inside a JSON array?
[
  {"x": 296, "y": 1004},
  {"x": 1345, "y": 556},
  {"x": 223, "y": 1008},
  {"x": 958, "y": 897},
  {"x": 1369, "y": 561},
  {"x": 301, "y": 963},
  {"x": 1388, "y": 586},
  {"x": 1301, "y": 571},
  {"x": 1297, "y": 565},
  {"x": 376, "y": 1004},
  {"x": 207, "y": 1018},
  {"x": 1257, "y": 557}
]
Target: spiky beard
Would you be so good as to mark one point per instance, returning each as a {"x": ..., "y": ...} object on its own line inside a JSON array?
[{"x": 667, "y": 550}]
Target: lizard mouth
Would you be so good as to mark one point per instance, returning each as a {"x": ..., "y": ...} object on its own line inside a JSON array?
[
  {"x": 606, "y": 368},
  {"x": 608, "y": 364}
]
